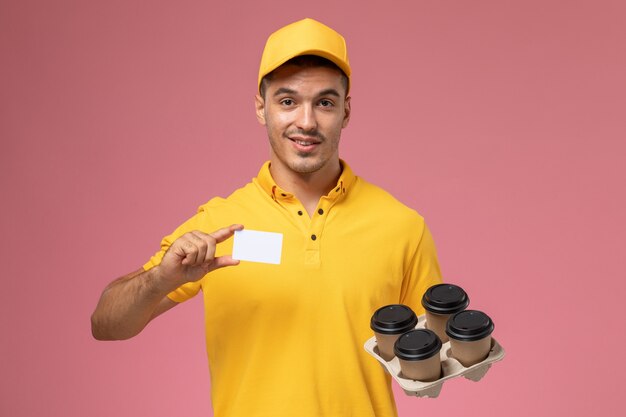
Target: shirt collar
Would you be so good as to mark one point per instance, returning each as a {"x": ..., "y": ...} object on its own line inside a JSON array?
[{"x": 265, "y": 181}]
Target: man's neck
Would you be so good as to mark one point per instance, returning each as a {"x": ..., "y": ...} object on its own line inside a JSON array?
[{"x": 308, "y": 188}]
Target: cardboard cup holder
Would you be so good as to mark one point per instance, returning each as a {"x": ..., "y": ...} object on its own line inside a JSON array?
[{"x": 450, "y": 367}]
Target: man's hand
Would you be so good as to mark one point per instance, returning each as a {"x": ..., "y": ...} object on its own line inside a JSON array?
[{"x": 192, "y": 256}]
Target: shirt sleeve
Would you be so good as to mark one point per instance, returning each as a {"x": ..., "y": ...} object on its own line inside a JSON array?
[
  {"x": 422, "y": 272},
  {"x": 199, "y": 221}
]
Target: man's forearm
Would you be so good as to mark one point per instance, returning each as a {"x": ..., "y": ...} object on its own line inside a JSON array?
[
  {"x": 130, "y": 302},
  {"x": 127, "y": 305}
]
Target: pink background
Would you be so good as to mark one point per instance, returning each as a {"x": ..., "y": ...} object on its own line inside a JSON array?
[{"x": 501, "y": 122}]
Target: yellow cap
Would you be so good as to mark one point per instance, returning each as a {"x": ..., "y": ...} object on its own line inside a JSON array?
[{"x": 304, "y": 37}]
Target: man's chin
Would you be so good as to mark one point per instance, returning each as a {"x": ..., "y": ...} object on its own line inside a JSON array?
[{"x": 306, "y": 167}]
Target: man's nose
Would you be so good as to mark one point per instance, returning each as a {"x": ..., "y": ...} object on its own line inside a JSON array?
[{"x": 306, "y": 120}]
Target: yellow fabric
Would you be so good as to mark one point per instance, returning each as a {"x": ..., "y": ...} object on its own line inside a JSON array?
[{"x": 287, "y": 340}]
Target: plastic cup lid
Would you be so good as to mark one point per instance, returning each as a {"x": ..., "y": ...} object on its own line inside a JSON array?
[
  {"x": 417, "y": 345},
  {"x": 445, "y": 299},
  {"x": 393, "y": 319},
  {"x": 469, "y": 325}
]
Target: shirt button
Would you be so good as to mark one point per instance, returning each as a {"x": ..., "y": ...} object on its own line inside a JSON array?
[
  {"x": 313, "y": 237},
  {"x": 299, "y": 212},
  {"x": 320, "y": 211}
]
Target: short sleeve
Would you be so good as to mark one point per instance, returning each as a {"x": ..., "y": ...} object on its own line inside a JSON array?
[{"x": 422, "y": 272}]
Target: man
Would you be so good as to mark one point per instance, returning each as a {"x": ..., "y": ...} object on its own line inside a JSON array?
[{"x": 287, "y": 339}]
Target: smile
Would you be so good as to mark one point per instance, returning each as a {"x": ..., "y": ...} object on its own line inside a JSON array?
[{"x": 303, "y": 143}]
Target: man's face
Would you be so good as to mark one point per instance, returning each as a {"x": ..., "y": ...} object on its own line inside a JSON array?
[{"x": 304, "y": 110}]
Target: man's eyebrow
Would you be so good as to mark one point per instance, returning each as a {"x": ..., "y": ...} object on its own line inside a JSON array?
[
  {"x": 329, "y": 92},
  {"x": 284, "y": 90}
]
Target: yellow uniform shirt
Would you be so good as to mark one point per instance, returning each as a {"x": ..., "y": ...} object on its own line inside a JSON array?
[{"x": 287, "y": 340}]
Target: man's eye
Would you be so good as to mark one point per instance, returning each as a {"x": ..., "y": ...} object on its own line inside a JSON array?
[
  {"x": 326, "y": 103},
  {"x": 287, "y": 102}
]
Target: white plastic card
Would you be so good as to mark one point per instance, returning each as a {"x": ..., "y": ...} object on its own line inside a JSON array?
[{"x": 257, "y": 246}]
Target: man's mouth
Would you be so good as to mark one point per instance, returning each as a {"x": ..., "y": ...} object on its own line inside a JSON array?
[{"x": 305, "y": 142}]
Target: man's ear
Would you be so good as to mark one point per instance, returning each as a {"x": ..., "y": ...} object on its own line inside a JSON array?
[
  {"x": 259, "y": 104},
  {"x": 346, "y": 115}
]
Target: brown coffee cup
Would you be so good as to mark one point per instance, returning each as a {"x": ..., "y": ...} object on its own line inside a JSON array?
[
  {"x": 418, "y": 354},
  {"x": 440, "y": 302},
  {"x": 388, "y": 323},
  {"x": 470, "y": 336}
]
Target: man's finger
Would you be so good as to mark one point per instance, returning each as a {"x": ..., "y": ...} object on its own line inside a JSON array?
[
  {"x": 187, "y": 251},
  {"x": 202, "y": 246},
  {"x": 226, "y": 232},
  {"x": 222, "y": 261}
]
